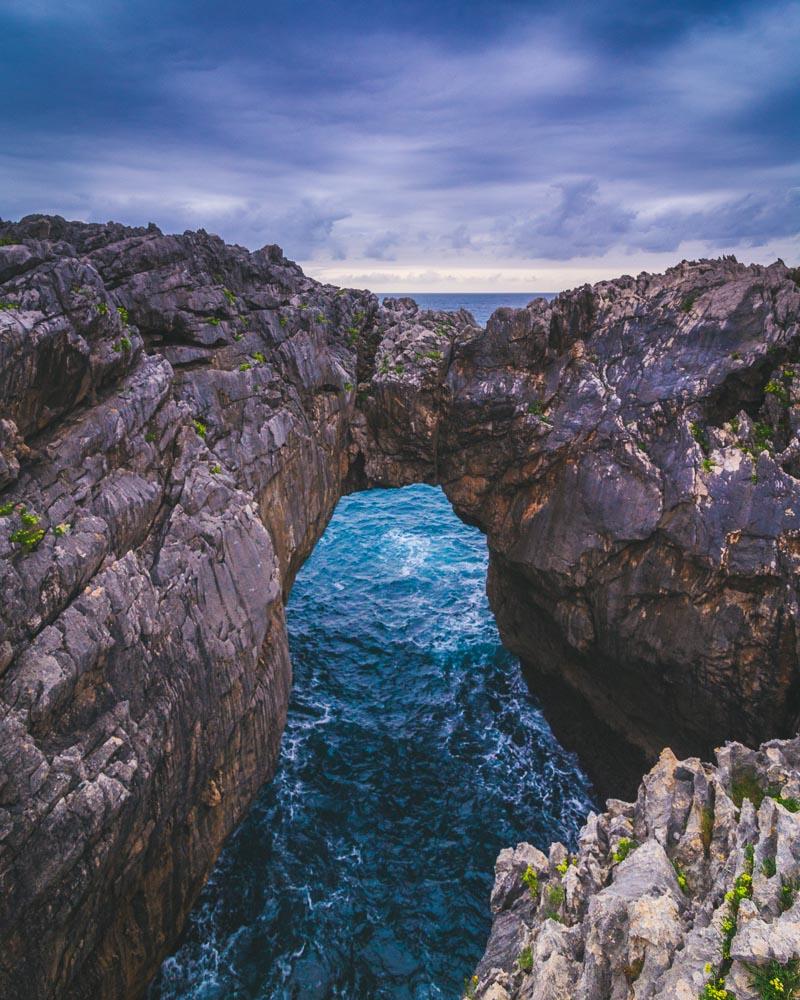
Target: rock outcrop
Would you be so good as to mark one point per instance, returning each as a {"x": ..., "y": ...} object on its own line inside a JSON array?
[
  {"x": 690, "y": 891},
  {"x": 178, "y": 420}
]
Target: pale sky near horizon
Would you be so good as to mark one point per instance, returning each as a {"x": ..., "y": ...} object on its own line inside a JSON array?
[{"x": 410, "y": 146}]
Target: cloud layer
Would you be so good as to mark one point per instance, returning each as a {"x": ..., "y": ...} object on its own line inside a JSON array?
[{"x": 488, "y": 144}]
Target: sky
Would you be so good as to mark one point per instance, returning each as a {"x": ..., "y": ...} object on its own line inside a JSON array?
[{"x": 415, "y": 146}]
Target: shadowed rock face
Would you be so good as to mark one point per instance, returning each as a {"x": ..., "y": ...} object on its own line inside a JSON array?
[{"x": 182, "y": 417}]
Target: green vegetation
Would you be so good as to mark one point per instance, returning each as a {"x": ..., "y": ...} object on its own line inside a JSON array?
[
  {"x": 229, "y": 295},
  {"x": 734, "y": 424},
  {"x": 680, "y": 875},
  {"x": 122, "y": 312},
  {"x": 283, "y": 321},
  {"x": 102, "y": 308},
  {"x": 259, "y": 357},
  {"x": 745, "y": 785},
  {"x": 30, "y": 534},
  {"x": 216, "y": 469},
  {"x": 530, "y": 879},
  {"x": 150, "y": 437},
  {"x": 470, "y": 987},
  {"x": 215, "y": 320},
  {"x": 715, "y": 990},
  {"x": 556, "y": 895},
  {"x": 352, "y": 334},
  {"x": 7, "y": 241},
  {"x": 769, "y": 868},
  {"x": 689, "y": 300},
  {"x": 775, "y": 981},
  {"x": 789, "y": 887},
  {"x": 200, "y": 427},
  {"x": 62, "y": 529},
  {"x": 708, "y": 464},
  {"x": 124, "y": 344},
  {"x": 7, "y": 508},
  {"x": 399, "y": 368},
  {"x": 701, "y": 437},
  {"x": 742, "y": 889},
  {"x": 434, "y": 355},
  {"x": 736, "y": 356},
  {"x": 624, "y": 848},
  {"x": 238, "y": 336},
  {"x": 562, "y": 868},
  {"x": 762, "y": 441},
  {"x": 525, "y": 960},
  {"x": 348, "y": 387},
  {"x": 245, "y": 366},
  {"x": 707, "y": 826},
  {"x": 790, "y": 803}
]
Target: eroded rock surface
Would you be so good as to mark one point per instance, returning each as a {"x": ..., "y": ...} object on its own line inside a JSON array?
[
  {"x": 693, "y": 884},
  {"x": 178, "y": 420}
]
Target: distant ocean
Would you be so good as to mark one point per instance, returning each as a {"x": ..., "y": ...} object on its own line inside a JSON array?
[{"x": 480, "y": 304}]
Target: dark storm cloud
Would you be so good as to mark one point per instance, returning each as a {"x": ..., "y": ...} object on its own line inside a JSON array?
[{"x": 409, "y": 131}]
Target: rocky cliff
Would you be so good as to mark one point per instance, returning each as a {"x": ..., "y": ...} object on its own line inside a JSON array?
[
  {"x": 179, "y": 418},
  {"x": 689, "y": 892}
]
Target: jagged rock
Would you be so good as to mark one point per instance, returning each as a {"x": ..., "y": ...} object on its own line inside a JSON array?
[
  {"x": 179, "y": 418},
  {"x": 650, "y": 924}
]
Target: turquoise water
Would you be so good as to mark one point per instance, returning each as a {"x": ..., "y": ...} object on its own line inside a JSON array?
[
  {"x": 480, "y": 304},
  {"x": 413, "y": 753}
]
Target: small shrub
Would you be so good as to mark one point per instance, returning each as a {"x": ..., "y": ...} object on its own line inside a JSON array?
[
  {"x": 789, "y": 887},
  {"x": 62, "y": 529},
  {"x": 216, "y": 469},
  {"x": 215, "y": 321},
  {"x": 434, "y": 355},
  {"x": 200, "y": 427},
  {"x": 745, "y": 785},
  {"x": 7, "y": 508},
  {"x": 775, "y": 981},
  {"x": 715, "y": 990},
  {"x": 556, "y": 895},
  {"x": 530, "y": 879},
  {"x": 283, "y": 321},
  {"x": 245, "y": 366},
  {"x": 562, "y": 868},
  {"x": 102, "y": 308},
  {"x": 259, "y": 357},
  {"x": 150, "y": 437},
  {"x": 688, "y": 301},
  {"x": 122, "y": 312},
  {"x": 525, "y": 960},
  {"x": 238, "y": 336},
  {"x": 229, "y": 295},
  {"x": 701, "y": 437},
  {"x": 624, "y": 848},
  {"x": 680, "y": 875},
  {"x": 348, "y": 387},
  {"x": 769, "y": 868},
  {"x": 779, "y": 390},
  {"x": 29, "y": 536},
  {"x": 790, "y": 803},
  {"x": 470, "y": 988},
  {"x": 708, "y": 465},
  {"x": 734, "y": 425},
  {"x": 7, "y": 241}
]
